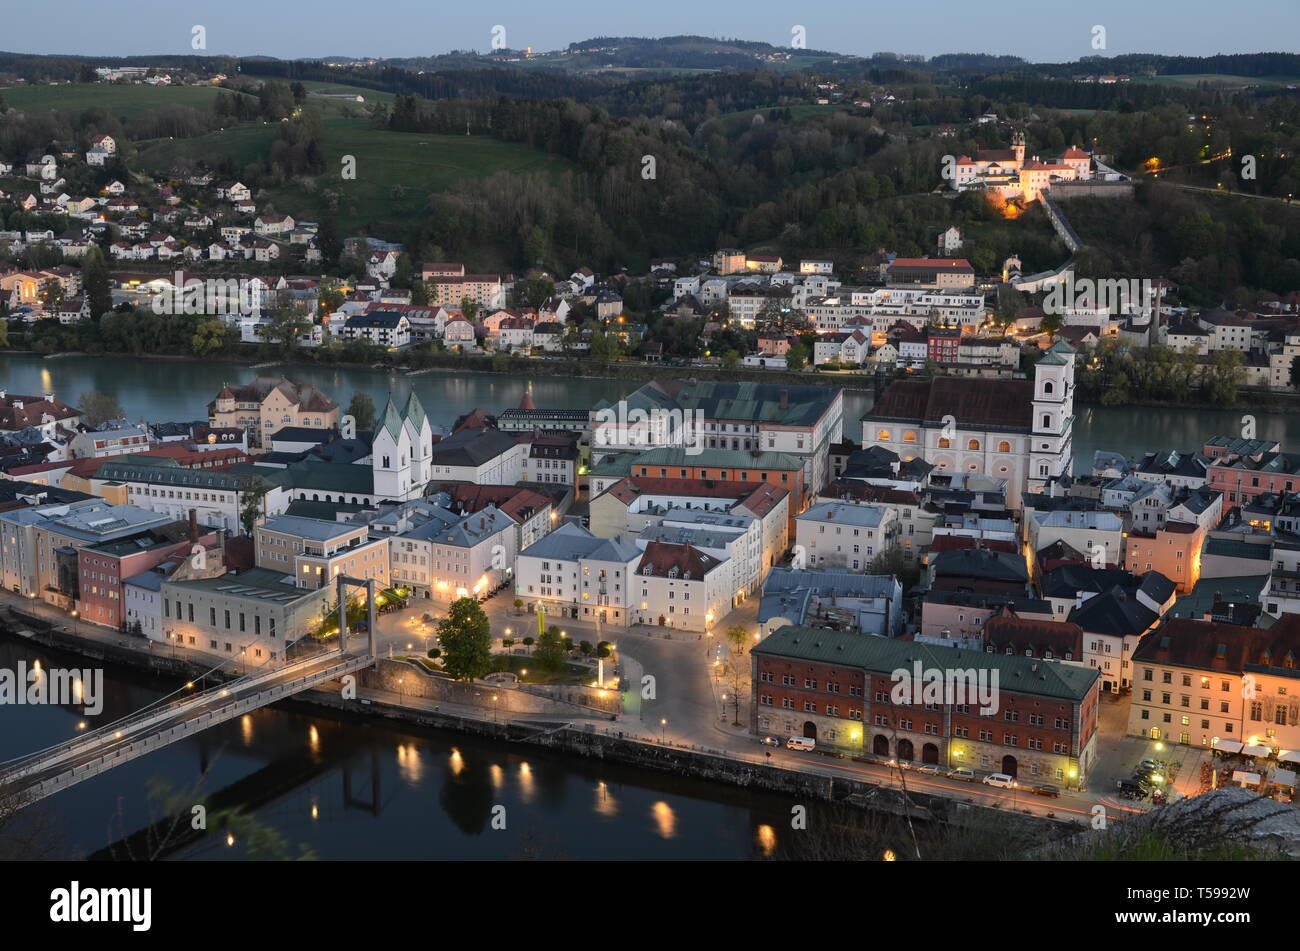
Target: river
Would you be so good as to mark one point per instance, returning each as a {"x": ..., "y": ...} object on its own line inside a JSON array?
[{"x": 174, "y": 390}]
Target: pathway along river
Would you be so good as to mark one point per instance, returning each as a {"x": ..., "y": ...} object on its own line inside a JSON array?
[{"x": 357, "y": 790}]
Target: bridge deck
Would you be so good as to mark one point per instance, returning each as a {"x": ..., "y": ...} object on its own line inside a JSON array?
[{"x": 34, "y": 777}]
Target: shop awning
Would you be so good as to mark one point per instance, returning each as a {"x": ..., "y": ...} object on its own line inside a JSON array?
[
  {"x": 1256, "y": 750},
  {"x": 1283, "y": 777},
  {"x": 1245, "y": 779},
  {"x": 1228, "y": 746},
  {"x": 1289, "y": 756}
]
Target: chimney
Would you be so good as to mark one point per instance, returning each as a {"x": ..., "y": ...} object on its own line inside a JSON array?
[{"x": 194, "y": 527}]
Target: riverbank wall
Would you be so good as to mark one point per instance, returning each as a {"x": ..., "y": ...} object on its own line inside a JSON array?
[{"x": 613, "y": 744}]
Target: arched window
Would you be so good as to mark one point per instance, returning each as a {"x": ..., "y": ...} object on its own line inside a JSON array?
[
  {"x": 1047, "y": 421},
  {"x": 1047, "y": 386},
  {"x": 882, "y": 435},
  {"x": 945, "y": 442},
  {"x": 973, "y": 444},
  {"x": 1004, "y": 446},
  {"x": 909, "y": 436}
]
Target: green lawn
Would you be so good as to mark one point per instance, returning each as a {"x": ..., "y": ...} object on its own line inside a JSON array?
[
  {"x": 131, "y": 102},
  {"x": 572, "y": 674},
  {"x": 396, "y": 172},
  {"x": 371, "y": 95}
]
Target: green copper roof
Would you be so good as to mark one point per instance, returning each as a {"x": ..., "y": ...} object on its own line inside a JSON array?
[
  {"x": 883, "y": 655},
  {"x": 415, "y": 411},
  {"x": 392, "y": 421}
]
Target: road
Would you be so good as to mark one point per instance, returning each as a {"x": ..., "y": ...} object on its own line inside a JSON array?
[
  {"x": 679, "y": 693},
  {"x": 685, "y": 707}
]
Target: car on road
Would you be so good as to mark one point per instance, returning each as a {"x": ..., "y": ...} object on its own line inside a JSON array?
[
  {"x": 1001, "y": 780},
  {"x": 928, "y": 769},
  {"x": 961, "y": 772},
  {"x": 804, "y": 743},
  {"x": 1046, "y": 789},
  {"x": 770, "y": 741}
]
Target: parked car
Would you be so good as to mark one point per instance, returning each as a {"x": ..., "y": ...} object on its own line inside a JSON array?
[
  {"x": 1001, "y": 780},
  {"x": 928, "y": 769},
  {"x": 1046, "y": 789},
  {"x": 770, "y": 741},
  {"x": 801, "y": 743},
  {"x": 961, "y": 772},
  {"x": 1130, "y": 789}
]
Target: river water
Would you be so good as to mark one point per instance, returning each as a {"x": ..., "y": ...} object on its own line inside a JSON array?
[
  {"x": 158, "y": 390},
  {"x": 347, "y": 790},
  {"x": 359, "y": 790}
]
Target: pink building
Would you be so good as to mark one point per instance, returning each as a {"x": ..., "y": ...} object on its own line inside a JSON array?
[{"x": 101, "y": 569}]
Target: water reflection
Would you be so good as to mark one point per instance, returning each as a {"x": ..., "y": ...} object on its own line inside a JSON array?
[{"x": 355, "y": 789}]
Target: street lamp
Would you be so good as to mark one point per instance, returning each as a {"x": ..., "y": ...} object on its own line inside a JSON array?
[
  {"x": 494, "y": 709},
  {"x": 663, "y": 724}
]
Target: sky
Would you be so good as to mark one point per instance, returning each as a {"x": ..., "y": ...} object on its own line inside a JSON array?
[{"x": 293, "y": 28}]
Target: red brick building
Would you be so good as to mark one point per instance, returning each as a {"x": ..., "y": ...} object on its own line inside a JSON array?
[
  {"x": 1034, "y": 719},
  {"x": 101, "y": 569}
]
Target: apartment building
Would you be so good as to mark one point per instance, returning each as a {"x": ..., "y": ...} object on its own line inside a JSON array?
[
  {"x": 844, "y": 535},
  {"x": 312, "y": 551},
  {"x": 1202, "y": 683}
]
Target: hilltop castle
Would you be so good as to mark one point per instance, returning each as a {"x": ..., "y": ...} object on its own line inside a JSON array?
[{"x": 1007, "y": 173}]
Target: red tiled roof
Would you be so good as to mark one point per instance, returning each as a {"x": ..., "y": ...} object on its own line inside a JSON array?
[
  {"x": 993, "y": 404},
  {"x": 517, "y": 503},
  {"x": 1023, "y": 634},
  {"x": 1185, "y": 642},
  {"x": 661, "y": 557}
]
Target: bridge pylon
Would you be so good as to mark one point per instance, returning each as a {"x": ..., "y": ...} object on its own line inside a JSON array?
[{"x": 344, "y": 582}]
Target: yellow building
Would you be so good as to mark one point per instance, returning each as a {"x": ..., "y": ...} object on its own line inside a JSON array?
[{"x": 265, "y": 406}]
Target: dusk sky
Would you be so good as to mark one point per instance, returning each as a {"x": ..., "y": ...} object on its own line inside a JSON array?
[{"x": 290, "y": 29}]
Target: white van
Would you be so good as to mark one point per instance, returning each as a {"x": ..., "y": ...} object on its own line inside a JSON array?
[
  {"x": 801, "y": 743},
  {"x": 999, "y": 779}
]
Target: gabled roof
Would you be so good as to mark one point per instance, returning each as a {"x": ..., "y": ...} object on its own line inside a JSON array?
[{"x": 1114, "y": 612}]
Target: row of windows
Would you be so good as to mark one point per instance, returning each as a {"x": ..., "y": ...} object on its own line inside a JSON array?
[
  {"x": 944, "y": 442},
  {"x": 187, "y": 610}
]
